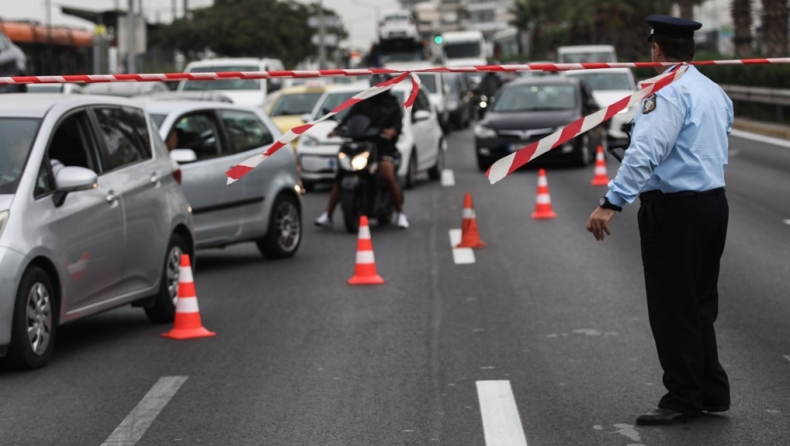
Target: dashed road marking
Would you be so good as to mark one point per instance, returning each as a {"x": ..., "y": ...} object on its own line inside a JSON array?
[
  {"x": 132, "y": 428},
  {"x": 787, "y": 222},
  {"x": 501, "y": 421},
  {"x": 448, "y": 178},
  {"x": 787, "y": 357},
  {"x": 461, "y": 256}
]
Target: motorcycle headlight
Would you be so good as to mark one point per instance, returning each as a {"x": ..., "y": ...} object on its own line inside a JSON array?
[
  {"x": 3, "y": 220},
  {"x": 343, "y": 161},
  {"x": 482, "y": 132},
  {"x": 309, "y": 141},
  {"x": 360, "y": 161}
]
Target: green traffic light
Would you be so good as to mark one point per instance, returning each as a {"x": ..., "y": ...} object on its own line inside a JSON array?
[{"x": 438, "y": 39}]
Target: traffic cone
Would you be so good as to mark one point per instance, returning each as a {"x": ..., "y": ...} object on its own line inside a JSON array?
[
  {"x": 365, "y": 270},
  {"x": 543, "y": 208},
  {"x": 470, "y": 235},
  {"x": 187, "y": 324},
  {"x": 601, "y": 178}
]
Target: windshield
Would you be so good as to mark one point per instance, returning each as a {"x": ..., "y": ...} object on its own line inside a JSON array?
[
  {"x": 16, "y": 140},
  {"x": 429, "y": 80},
  {"x": 588, "y": 57},
  {"x": 525, "y": 98},
  {"x": 333, "y": 100},
  {"x": 604, "y": 81},
  {"x": 158, "y": 119},
  {"x": 225, "y": 84},
  {"x": 295, "y": 104},
  {"x": 462, "y": 50}
]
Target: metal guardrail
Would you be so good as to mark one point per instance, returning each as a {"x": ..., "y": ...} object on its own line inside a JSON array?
[{"x": 773, "y": 96}]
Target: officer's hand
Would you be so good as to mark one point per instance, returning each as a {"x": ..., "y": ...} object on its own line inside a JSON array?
[
  {"x": 389, "y": 133},
  {"x": 598, "y": 223}
]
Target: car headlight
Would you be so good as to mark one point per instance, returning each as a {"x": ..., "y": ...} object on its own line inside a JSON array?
[
  {"x": 482, "y": 131},
  {"x": 360, "y": 161},
  {"x": 3, "y": 220},
  {"x": 309, "y": 141}
]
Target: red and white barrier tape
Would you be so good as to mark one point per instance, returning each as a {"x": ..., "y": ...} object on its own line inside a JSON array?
[
  {"x": 238, "y": 171},
  {"x": 509, "y": 164},
  {"x": 158, "y": 77}
]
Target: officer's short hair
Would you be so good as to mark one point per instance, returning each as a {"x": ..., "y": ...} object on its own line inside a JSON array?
[{"x": 681, "y": 50}]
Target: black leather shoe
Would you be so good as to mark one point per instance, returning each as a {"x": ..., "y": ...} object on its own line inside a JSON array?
[
  {"x": 662, "y": 416},
  {"x": 715, "y": 409}
]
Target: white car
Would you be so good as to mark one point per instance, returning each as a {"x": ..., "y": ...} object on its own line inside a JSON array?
[
  {"x": 65, "y": 88},
  {"x": 609, "y": 86},
  {"x": 251, "y": 92},
  {"x": 398, "y": 24},
  {"x": 265, "y": 206},
  {"x": 434, "y": 83},
  {"x": 421, "y": 144}
]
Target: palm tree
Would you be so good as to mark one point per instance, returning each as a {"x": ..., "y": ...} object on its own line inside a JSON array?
[
  {"x": 742, "y": 19},
  {"x": 775, "y": 26}
]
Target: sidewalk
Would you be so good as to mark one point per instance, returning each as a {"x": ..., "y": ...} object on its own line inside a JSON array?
[{"x": 762, "y": 128}]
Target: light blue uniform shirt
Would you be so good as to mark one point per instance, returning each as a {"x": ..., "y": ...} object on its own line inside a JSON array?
[{"x": 681, "y": 145}]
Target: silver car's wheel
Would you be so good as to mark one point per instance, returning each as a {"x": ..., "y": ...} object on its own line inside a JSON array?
[
  {"x": 173, "y": 270},
  {"x": 284, "y": 235},
  {"x": 39, "y": 318},
  {"x": 35, "y": 321}
]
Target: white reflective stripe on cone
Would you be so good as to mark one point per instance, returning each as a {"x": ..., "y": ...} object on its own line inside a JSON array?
[
  {"x": 185, "y": 275},
  {"x": 542, "y": 181},
  {"x": 469, "y": 213},
  {"x": 365, "y": 257},
  {"x": 364, "y": 233},
  {"x": 544, "y": 199},
  {"x": 600, "y": 170},
  {"x": 187, "y": 305}
]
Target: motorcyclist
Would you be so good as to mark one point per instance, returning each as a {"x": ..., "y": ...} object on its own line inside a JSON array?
[
  {"x": 384, "y": 112},
  {"x": 490, "y": 84}
]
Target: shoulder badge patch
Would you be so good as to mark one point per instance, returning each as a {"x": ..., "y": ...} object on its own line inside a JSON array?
[{"x": 650, "y": 104}]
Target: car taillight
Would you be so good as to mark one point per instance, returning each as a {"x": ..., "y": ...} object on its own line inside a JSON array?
[{"x": 177, "y": 175}]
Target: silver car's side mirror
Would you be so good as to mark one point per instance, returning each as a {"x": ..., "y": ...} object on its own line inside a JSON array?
[
  {"x": 73, "y": 178},
  {"x": 421, "y": 115},
  {"x": 183, "y": 156}
]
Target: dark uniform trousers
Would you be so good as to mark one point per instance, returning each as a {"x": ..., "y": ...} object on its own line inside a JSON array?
[{"x": 682, "y": 238}]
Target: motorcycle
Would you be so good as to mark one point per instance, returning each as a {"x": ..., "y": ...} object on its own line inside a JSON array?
[
  {"x": 362, "y": 191},
  {"x": 482, "y": 106}
]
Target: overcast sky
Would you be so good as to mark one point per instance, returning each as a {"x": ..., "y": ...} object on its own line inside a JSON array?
[{"x": 359, "y": 16}]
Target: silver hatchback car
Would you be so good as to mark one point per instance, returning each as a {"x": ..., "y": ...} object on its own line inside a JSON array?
[
  {"x": 92, "y": 217},
  {"x": 265, "y": 206}
]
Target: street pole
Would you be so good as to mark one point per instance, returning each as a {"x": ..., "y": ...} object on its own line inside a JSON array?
[
  {"x": 174, "y": 5},
  {"x": 321, "y": 36},
  {"x": 130, "y": 49},
  {"x": 49, "y": 35},
  {"x": 186, "y": 8}
]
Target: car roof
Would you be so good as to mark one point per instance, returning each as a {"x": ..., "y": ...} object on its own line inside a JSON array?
[
  {"x": 599, "y": 70},
  {"x": 24, "y": 105},
  {"x": 299, "y": 89},
  {"x": 168, "y": 107},
  {"x": 572, "y": 48},
  {"x": 544, "y": 80},
  {"x": 229, "y": 60}
]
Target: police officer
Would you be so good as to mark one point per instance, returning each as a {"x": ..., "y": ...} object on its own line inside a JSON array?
[{"x": 675, "y": 166}]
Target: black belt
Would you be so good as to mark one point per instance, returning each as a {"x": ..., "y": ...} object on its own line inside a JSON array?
[{"x": 658, "y": 195}]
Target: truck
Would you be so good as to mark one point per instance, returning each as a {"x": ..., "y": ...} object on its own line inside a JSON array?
[{"x": 463, "y": 48}]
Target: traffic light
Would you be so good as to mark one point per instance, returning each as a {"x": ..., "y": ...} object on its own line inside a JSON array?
[{"x": 438, "y": 39}]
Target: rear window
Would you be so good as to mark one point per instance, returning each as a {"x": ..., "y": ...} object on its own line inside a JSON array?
[
  {"x": 16, "y": 140},
  {"x": 158, "y": 119},
  {"x": 295, "y": 104},
  {"x": 224, "y": 84},
  {"x": 532, "y": 98},
  {"x": 604, "y": 81}
]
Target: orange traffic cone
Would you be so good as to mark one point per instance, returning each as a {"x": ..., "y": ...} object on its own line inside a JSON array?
[
  {"x": 601, "y": 178},
  {"x": 470, "y": 237},
  {"x": 187, "y": 325},
  {"x": 365, "y": 271},
  {"x": 543, "y": 208}
]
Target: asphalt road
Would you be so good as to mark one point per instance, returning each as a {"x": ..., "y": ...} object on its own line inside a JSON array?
[{"x": 546, "y": 316}]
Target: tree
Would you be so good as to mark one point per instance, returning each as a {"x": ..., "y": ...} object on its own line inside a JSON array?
[
  {"x": 686, "y": 9},
  {"x": 775, "y": 28},
  {"x": 247, "y": 28},
  {"x": 742, "y": 19}
]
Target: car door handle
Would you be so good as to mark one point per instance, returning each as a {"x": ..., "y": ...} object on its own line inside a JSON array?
[
  {"x": 112, "y": 197},
  {"x": 154, "y": 177}
]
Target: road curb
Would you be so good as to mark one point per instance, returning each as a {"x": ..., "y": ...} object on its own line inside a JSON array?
[{"x": 762, "y": 128}]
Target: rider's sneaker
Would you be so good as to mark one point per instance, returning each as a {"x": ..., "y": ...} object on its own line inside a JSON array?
[
  {"x": 324, "y": 221},
  {"x": 403, "y": 222}
]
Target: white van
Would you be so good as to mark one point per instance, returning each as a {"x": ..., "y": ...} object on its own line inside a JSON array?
[
  {"x": 586, "y": 53},
  {"x": 463, "y": 48},
  {"x": 250, "y": 92}
]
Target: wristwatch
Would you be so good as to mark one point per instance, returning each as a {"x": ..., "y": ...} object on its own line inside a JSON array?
[{"x": 606, "y": 204}]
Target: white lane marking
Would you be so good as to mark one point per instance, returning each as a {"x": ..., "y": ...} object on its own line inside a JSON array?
[
  {"x": 501, "y": 422},
  {"x": 787, "y": 357},
  {"x": 787, "y": 222},
  {"x": 131, "y": 429},
  {"x": 461, "y": 256},
  {"x": 760, "y": 138},
  {"x": 448, "y": 178}
]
